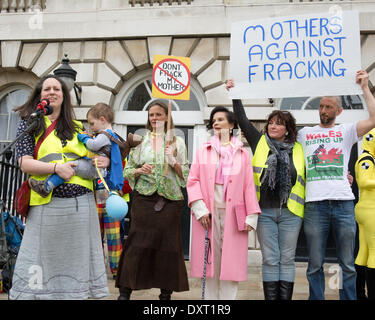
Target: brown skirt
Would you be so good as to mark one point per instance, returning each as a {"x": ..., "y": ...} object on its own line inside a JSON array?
[{"x": 152, "y": 256}]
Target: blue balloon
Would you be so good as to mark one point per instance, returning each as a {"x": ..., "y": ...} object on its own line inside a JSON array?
[{"x": 116, "y": 207}]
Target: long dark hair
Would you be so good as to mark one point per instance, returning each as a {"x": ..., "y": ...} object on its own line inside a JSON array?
[
  {"x": 287, "y": 119},
  {"x": 65, "y": 127}
]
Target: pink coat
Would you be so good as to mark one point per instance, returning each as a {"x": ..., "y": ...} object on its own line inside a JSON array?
[{"x": 241, "y": 201}]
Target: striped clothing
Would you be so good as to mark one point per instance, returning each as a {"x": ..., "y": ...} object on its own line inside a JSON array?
[{"x": 112, "y": 229}]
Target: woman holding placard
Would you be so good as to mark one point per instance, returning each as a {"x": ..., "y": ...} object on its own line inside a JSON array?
[
  {"x": 152, "y": 256},
  {"x": 279, "y": 175}
]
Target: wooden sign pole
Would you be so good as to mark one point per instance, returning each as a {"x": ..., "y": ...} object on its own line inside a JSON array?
[{"x": 168, "y": 137}]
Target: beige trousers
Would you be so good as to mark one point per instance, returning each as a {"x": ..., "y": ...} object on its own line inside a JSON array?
[{"x": 217, "y": 289}]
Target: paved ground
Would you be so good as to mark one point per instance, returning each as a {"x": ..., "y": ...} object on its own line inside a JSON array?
[
  {"x": 252, "y": 289},
  {"x": 249, "y": 290}
]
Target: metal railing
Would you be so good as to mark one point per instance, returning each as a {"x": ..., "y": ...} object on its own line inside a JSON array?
[
  {"x": 142, "y": 3},
  {"x": 11, "y": 178},
  {"x": 294, "y": 1},
  {"x": 9, "y": 6}
]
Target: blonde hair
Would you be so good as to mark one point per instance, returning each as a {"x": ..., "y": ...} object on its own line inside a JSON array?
[{"x": 102, "y": 110}]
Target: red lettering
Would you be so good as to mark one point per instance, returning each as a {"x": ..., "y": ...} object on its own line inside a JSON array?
[
  {"x": 309, "y": 136},
  {"x": 331, "y": 134}
]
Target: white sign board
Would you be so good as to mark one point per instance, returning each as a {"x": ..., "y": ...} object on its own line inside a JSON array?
[{"x": 310, "y": 55}]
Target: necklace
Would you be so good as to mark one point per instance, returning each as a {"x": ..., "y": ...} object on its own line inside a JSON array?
[
  {"x": 154, "y": 134},
  {"x": 226, "y": 143}
]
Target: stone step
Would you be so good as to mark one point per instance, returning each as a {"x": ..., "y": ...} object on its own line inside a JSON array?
[{"x": 251, "y": 289}]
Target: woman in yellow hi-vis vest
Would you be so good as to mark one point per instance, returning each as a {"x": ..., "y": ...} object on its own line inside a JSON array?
[
  {"x": 279, "y": 175},
  {"x": 61, "y": 255}
]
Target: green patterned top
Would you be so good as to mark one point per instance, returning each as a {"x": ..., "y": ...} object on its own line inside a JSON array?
[{"x": 169, "y": 185}]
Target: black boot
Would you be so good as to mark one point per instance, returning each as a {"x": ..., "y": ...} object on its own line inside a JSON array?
[
  {"x": 286, "y": 290},
  {"x": 370, "y": 281},
  {"x": 361, "y": 282},
  {"x": 271, "y": 290},
  {"x": 165, "y": 294},
  {"x": 124, "y": 293}
]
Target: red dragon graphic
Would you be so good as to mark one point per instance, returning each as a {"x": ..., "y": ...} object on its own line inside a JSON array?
[{"x": 331, "y": 157}]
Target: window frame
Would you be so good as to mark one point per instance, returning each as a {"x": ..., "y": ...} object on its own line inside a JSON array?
[
  {"x": 134, "y": 118},
  {"x": 3, "y": 93},
  {"x": 305, "y": 117},
  {"x": 311, "y": 117}
]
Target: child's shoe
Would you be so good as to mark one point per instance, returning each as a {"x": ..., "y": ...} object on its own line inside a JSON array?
[{"x": 40, "y": 187}]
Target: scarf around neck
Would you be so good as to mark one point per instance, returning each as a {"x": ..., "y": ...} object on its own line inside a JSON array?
[
  {"x": 278, "y": 170},
  {"x": 225, "y": 159}
]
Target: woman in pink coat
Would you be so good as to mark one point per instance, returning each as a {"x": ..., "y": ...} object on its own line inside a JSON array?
[{"x": 223, "y": 200}]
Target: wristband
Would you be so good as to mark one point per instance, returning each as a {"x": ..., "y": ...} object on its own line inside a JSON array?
[{"x": 54, "y": 168}]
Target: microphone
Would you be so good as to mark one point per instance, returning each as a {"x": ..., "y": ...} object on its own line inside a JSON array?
[{"x": 43, "y": 108}]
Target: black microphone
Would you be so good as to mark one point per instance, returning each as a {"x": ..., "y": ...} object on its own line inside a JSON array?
[{"x": 43, "y": 108}]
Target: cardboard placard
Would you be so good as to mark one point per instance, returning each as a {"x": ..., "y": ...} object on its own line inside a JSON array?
[
  {"x": 307, "y": 55},
  {"x": 171, "y": 77}
]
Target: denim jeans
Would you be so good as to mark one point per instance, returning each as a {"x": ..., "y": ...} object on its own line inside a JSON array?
[
  {"x": 319, "y": 216},
  {"x": 278, "y": 231}
]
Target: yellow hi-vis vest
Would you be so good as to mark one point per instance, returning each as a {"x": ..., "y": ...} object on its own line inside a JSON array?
[
  {"x": 296, "y": 199},
  {"x": 52, "y": 151}
]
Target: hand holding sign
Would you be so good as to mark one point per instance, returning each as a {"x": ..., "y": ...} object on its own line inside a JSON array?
[
  {"x": 169, "y": 135},
  {"x": 362, "y": 79},
  {"x": 229, "y": 84}
]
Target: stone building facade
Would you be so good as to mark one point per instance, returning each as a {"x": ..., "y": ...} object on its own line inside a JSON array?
[{"x": 111, "y": 44}]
